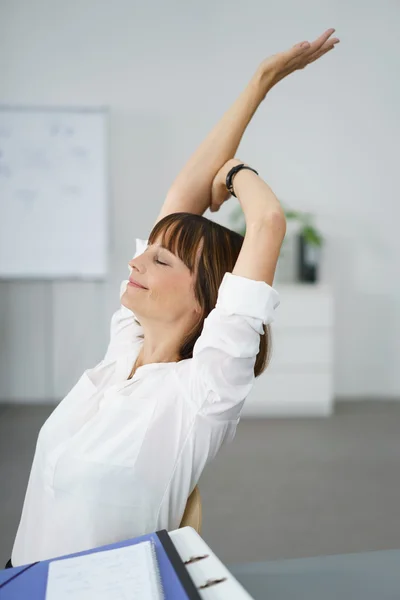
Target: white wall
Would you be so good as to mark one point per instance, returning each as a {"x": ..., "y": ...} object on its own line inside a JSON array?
[{"x": 326, "y": 140}]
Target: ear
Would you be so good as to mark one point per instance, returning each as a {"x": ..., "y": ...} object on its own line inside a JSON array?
[{"x": 197, "y": 310}]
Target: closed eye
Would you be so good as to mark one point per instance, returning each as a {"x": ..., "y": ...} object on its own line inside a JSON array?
[{"x": 161, "y": 263}]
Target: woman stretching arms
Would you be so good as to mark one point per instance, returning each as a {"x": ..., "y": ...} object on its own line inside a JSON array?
[{"x": 121, "y": 453}]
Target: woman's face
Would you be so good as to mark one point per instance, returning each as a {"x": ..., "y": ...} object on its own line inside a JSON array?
[{"x": 169, "y": 288}]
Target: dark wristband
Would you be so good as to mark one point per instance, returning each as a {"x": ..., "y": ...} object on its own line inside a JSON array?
[{"x": 232, "y": 172}]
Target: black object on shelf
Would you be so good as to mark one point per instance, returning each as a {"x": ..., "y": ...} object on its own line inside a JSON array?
[{"x": 308, "y": 261}]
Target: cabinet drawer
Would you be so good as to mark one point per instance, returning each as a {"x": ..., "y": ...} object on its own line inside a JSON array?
[
  {"x": 293, "y": 348},
  {"x": 304, "y": 305}
]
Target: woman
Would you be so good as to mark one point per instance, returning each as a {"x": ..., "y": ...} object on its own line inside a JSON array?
[{"x": 121, "y": 453}]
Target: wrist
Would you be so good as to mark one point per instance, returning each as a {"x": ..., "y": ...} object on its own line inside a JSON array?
[
  {"x": 243, "y": 173},
  {"x": 263, "y": 81},
  {"x": 232, "y": 174},
  {"x": 233, "y": 162}
]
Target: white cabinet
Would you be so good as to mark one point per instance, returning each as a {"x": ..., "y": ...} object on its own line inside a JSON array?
[{"x": 299, "y": 378}]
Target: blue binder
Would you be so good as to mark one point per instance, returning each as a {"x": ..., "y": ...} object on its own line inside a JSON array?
[{"x": 30, "y": 581}]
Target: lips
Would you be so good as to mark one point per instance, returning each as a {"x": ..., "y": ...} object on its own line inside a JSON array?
[{"x": 137, "y": 283}]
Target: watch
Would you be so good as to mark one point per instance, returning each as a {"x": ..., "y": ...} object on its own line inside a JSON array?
[{"x": 232, "y": 172}]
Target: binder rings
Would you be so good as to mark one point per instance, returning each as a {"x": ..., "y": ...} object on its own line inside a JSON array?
[{"x": 209, "y": 575}]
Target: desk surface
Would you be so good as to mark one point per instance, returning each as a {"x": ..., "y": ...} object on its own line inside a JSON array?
[{"x": 369, "y": 576}]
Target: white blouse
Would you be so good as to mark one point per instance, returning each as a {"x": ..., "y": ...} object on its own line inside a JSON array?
[{"x": 119, "y": 458}]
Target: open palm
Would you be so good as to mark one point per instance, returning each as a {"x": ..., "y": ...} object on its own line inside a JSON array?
[
  {"x": 299, "y": 56},
  {"x": 269, "y": 73}
]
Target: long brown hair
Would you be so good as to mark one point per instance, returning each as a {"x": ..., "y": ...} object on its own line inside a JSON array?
[{"x": 182, "y": 233}]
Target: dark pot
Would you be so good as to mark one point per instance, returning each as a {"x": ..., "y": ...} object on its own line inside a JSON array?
[{"x": 308, "y": 260}]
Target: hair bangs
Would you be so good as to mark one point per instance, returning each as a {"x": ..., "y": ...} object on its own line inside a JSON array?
[{"x": 180, "y": 236}]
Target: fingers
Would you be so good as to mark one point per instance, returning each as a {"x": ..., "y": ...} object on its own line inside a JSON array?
[
  {"x": 319, "y": 54},
  {"x": 307, "y": 53},
  {"x": 319, "y": 42},
  {"x": 299, "y": 48},
  {"x": 318, "y": 48},
  {"x": 329, "y": 45},
  {"x": 315, "y": 45}
]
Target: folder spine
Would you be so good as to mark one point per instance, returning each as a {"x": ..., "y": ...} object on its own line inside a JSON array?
[{"x": 179, "y": 567}]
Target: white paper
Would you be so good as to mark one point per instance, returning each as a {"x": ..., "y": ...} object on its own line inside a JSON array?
[{"x": 117, "y": 574}]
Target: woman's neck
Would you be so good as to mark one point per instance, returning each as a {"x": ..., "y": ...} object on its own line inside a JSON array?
[{"x": 139, "y": 362}]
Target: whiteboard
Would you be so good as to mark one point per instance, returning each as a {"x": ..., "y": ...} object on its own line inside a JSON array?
[{"x": 53, "y": 193}]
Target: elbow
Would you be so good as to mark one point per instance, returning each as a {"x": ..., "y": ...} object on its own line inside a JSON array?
[
  {"x": 272, "y": 222},
  {"x": 276, "y": 220}
]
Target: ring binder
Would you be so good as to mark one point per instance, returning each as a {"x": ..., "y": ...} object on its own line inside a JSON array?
[
  {"x": 188, "y": 568},
  {"x": 177, "y": 563},
  {"x": 207, "y": 575},
  {"x": 194, "y": 559},
  {"x": 211, "y": 582}
]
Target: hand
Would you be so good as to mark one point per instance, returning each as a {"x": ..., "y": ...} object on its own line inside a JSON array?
[
  {"x": 219, "y": 191},
  {"x": 278, "y": 66}
]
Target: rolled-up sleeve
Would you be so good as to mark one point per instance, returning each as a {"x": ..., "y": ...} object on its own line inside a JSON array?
[
  {"x": 125, "y": 327},
  {"x": 222, "y": 368}
]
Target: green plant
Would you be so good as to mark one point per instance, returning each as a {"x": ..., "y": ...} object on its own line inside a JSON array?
[
  {"x": 310, "y": 233},
  {"x": 308, "y": 230}
]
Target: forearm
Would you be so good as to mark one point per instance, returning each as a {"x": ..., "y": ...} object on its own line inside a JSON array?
[
  {"x": 255, "y": 196},
  {"x": 259, "y": 253},
  {"x": 191, "y": 190},
  {"x": 265, "y": 227}
]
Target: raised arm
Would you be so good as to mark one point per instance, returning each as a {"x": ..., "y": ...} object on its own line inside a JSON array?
[
  {"x": 265, "y": 228},
  {"x": 192, "y": 189},
  {"x": 223, "y": 368},
  {"x": 265, "y": 224}
]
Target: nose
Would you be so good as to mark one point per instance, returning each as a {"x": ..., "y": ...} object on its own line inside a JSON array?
[{"x": 137, "y": 264}]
